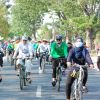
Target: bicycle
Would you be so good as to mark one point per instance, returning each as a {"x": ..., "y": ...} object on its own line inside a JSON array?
[
  {"x": 23, "y": 74},
  {"x": 10, "y": 57},
  {"x": 59, "y": 73},
  {"x": 15, "y": 67},
  {"x": 77, "y": 93},
  {"x": 43, "y": 60}
]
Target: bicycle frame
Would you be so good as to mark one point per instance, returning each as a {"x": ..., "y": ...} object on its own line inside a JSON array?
[
  {"x": 43, "y": 60},
  {"x": 77, "y": 90},
  {"x": 23, "y": 73},
  {"x": 59, "y": 73}
]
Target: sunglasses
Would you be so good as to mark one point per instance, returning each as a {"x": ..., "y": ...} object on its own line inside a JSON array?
[
  {"x": 58, "y": 39},
  {"x": 24, "y": 40}
]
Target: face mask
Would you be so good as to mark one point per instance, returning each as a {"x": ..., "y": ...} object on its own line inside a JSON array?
[{"x": 78, "y": 44}]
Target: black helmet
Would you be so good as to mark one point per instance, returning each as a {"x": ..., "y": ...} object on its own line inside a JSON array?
[
  {"x": 59, "y": 37},
  {"x": 29, "y": 38}
]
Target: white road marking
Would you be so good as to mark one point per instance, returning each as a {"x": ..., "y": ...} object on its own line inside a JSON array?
[{"x": 38, "y": 92}]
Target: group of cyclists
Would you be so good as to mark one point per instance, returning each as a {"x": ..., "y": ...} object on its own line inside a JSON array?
[{"x": 72, "y": 54}]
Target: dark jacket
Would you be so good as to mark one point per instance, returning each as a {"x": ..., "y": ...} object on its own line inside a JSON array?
[
  {"x": 1, "y": 54},
  {"x": 72, "y": 58}
]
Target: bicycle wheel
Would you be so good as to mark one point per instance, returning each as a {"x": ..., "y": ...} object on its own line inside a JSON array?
[
  {"x": 12, "y": 61},
  {"x": 80, "y": 93},
  {"x": 58, "y": 79},
  {"x": 21, "y": 78},
  {"x": 25, "y": 79},
  {"x": 74, "y": 91},
  {"x": 43, "y": 65},
  {"x": 15, "y": 64}
]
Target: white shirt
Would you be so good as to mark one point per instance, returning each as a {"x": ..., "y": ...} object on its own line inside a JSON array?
[
  {"x": 43, "y": 48},
  {"x": 98, "y": 53},
  {"x": 24, "y": 50}
]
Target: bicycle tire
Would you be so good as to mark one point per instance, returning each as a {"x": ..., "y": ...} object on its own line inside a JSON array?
[
  {"x": 73, "y": 91},
  {"x": 80, "y": 97},
  {"x": 15, "y": 64},
  {"x": 58, "y": 79},
  {"x": 43, "y": 65},
  {"x": 25, "y": 79},
  {"x": 12, "y": 61},
  {"x": 21, "y": 79}
]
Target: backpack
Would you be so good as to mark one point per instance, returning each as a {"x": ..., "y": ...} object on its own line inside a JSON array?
[{"x": 80, "y": 56}]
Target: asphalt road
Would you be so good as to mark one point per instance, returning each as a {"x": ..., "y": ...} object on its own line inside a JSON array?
[{"x": 41, "y": 88}]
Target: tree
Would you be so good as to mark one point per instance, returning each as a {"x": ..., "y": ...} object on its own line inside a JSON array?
[
  {"x": 27, "y": 16},
  {"x": 4, "y": 27},
  {"x": 78, "y": 16}
]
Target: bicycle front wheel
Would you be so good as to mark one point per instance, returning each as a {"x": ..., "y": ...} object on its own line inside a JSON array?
[
  {"x": 80, "y": 93},
  {"x": 43, "y": 65},
  {"x": 58, "y": 79},
  {"x": 21, "y": 79},
  {"x": 25, "y": 79}
]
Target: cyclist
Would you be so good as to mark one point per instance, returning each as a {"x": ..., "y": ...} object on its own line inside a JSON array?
[
  {"x": 17, "y": 41},
  {"x": 24, "y": 50},
  {"x": 58, "y": 50},
  {"x": 1, "y": 63},
  {"x": 10, "y": 48},
  {"x": 69, "y": 46},
  {"x": 42, "y": 48},
  {"x": 98, "y": 59},
  {"x": 78, "y": 55},
  {"x": 35, "y": 47}
]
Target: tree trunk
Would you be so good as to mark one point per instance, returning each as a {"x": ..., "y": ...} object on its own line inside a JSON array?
[
  {"x": 53, "y": 34},
  {"x": 89, "y": 38},
  {"x": 67, "y": 37}
]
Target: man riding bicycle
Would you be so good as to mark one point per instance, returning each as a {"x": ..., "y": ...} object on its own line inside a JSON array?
[
  {"x": 78, "y": 55},
  {"x": 42, "y": 48},
  {"x": 58, "y": 50},
  {"x": 24, "y": 50},
  {"x": 10, "y": 48}
]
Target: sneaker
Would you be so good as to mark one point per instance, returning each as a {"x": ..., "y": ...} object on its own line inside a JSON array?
[
  {"x": 98, "y": 70},
  {"x": 0, "y": 79},
  {"x": 18, "y": 72},
  {"x": 53, "y": 83},
  {"x": 85, "y": 89},
  {"x": 39, "y": 68},
  {"x": 29, "y": 80}
]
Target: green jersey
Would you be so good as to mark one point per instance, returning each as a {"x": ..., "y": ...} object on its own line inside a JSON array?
[
  {"x": 10, "y": 47},
  {"x": 57, "y": 50}
]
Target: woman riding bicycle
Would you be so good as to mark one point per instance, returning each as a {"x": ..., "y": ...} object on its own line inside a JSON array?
[{"x": 78, "y": 55}]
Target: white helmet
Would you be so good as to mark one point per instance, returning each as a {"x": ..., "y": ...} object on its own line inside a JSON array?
[{"x": 24, "y": 38}]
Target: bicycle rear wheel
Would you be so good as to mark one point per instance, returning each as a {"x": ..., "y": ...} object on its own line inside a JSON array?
[
  {"x": 21, "y": 78},
  {"x": 43, "y": 65},
  {"x": 58, "y": 79},
  {"x": 15, "y": 64},
  {"x": 12, "y": 61}
]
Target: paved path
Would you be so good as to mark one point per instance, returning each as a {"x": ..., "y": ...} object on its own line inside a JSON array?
[{"x": 41, "y": 88}]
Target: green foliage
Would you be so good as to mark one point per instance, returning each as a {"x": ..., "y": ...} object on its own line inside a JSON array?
[
  {"x": 75, "y": 16},
  {"x": 27, "y": 15},
  {"x": 4, "y": 27}
]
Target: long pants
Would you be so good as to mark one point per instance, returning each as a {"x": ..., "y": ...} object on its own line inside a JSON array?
[
  {"x": 98, "y": 62},
  {"x": 1, "y": 62},
  {"x": 70, "y": 81},
  {"x": 55, "y": 63},
  {"x": 41, "y": 57}
]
